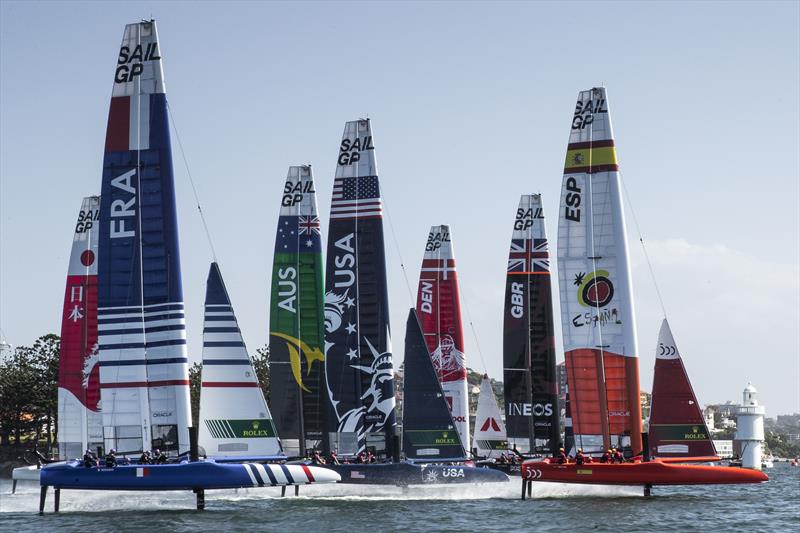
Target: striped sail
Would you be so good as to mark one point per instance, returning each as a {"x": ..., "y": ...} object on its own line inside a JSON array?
[
  {"x": 597, "y": 314},
  {"x": 439, "y": 311},
  {"x": 234, "y": 418},
  {"x": 80, "y": 424},
  {"x": 358, "y": 354},
  {"x": 490, "y": 438},
  {"x": 677, "y": 427},
  {"x": 529, "y": 356},
  {"x": 297, "y": 371},
  {"x": 144, "y": 376}
]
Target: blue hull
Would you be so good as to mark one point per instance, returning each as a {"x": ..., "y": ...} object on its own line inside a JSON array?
[
  {"x": 412, "y": 474},
  {"x": 182, "y": 476}
]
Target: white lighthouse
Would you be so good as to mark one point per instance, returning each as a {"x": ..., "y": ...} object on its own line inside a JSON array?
[{"x": 750, "y": 428}]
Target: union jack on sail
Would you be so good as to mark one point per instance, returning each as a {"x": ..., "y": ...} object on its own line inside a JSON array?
[{"x": 528, "y": 255}]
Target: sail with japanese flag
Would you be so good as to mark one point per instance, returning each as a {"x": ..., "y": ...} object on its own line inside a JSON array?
[
  {"x": 597, "y": 312},
  {"x": 490, "y": 432},
  {"x": 439, "y": 311},
  {"x": 234, "y": 418},
  {"x": 144, "y": 377},
  {"x": 529, "y": 355},
  {"x": 677, "y": 427},
  {"x": 297, "y": 342},
  {"x": 358, "y": 354},
  {"x": 80, "y": 423}
]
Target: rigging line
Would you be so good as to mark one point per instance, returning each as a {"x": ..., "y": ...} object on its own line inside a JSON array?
[
  {"x": 191, "y": 182},
  {"x": 644, "y": 248},
  {"x": 399, "y": 255},
  {"x": 474, "y": 334}
]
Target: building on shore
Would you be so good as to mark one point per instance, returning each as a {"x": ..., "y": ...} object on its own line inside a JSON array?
[{"x": 724, "y": 448}]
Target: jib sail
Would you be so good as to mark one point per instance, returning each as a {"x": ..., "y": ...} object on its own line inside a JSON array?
[{"x": 490, "y": 431}]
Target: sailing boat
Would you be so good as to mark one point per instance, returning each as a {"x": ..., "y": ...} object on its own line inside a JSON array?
[
  {"x": 677, "y": 428},
  {"x": 490, "y": 440},
  {"x": 235, "y": 422},
  {"x": 297, "y": 360},
  {"x": 144, "y": 379},
  {"x": 79, "y": 419},
  {"x": 431, "y": 443},
  {"x": 529, "y": 359},
  {"x": 598, "y": 323},
  {"x": 358, "y": 354},
  {"x": 439, "y": 309}
]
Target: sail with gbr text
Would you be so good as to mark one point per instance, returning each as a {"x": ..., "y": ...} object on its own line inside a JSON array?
[{"x": 597, "y": 314}]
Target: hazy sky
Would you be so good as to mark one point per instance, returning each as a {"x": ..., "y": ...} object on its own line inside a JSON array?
[{"x": 471, "y": 105}]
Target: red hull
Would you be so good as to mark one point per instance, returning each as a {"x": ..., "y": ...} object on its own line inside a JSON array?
[{"x": 649, "y": 473}]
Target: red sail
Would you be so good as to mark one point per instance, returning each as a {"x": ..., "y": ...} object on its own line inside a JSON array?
[{"x": 677, "y": 426}]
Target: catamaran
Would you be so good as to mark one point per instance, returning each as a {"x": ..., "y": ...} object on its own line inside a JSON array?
[
  {"x": 439, "y": 310},
  {"x": 598, "y": 321},
  {"x": 143, "y": 364}
]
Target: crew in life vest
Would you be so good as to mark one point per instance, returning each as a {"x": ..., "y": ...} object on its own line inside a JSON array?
[
  {"x": 606, "y": 457},
  {"x": 111, "y": 459},
  {"x": 146, "y": 459},
  {"x": 89, "y": 460},
  {"x": 579, "y": 457},
  {"x": 618, "y": 457},
  {"x": 562, "y": 457},
  {"x": 317, "y": 459},
  {"x": 333, "y": 458}
]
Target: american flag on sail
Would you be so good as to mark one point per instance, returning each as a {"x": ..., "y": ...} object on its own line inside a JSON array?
[
  {"x": 528, "y": 255},
  {"x": 356, "y": 198}
]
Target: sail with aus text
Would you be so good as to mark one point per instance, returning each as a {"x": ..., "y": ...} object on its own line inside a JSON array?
[
  {"x": 80, "y": 423},
  {"x": 597, "y": 313},
  {"x": 439, "y": 311},
  {"x": 234, "y": 418},
  {"x": 297, "y": 360},
  {"x": 358, "y": 355},
  {"x": 677, "y": 427},
  {"x": 144, "y": 376},
  {"x": 529, "y": 355}
]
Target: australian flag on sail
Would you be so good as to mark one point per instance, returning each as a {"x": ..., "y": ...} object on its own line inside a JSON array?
[
  {"x": 298, "y": 234},
  {"x": 356, "y": 198},
  {"x": 528, "y": 255}
]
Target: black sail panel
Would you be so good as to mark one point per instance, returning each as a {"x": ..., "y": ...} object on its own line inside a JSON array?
[{"x": 429, "y": 433}]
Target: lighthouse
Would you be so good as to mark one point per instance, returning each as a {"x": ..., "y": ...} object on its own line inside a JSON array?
[{"x": 750, "y": 428}]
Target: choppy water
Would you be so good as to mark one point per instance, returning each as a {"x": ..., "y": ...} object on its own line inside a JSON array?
[{"x": 773, "y": 506}]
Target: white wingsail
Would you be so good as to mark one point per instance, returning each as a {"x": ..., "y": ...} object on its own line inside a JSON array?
[
  {"x": 490, "y": 432},
  {"x": 234, "y": 418}
]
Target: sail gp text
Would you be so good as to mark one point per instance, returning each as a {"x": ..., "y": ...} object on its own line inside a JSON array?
[{"x": 131, "y": 62}]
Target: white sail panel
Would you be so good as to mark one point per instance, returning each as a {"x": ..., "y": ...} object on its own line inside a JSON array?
[{"x": 490, "y": 431}]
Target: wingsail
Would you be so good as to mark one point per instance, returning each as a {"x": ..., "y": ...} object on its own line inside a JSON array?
[
  {"x": 529, "y": 357},
  {"x": 358, "y": 354},
  {"x": 677, "y": 426},
  {"x": 597, "y": 314},
  {"x": 80, "y": 424},
  {"x": 234, "y": 418},
  {"x": 439, "y": 311},
  {"x": 297, "y": 371},
  {"x": 144, "y": 375}
]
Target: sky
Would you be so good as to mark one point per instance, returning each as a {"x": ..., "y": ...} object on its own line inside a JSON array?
[{"x": 470, "y": 106}]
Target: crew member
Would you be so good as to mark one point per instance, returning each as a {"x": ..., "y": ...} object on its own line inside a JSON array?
[
  {"x": 145, "y": 459},
  {"x": 89, "y": 460},
  {"x": 370, "y": 457},
  {"x": 579, "y": 457},
  {"x": 362, "y": 458},
  {"x": 333, "y": 458},
  {"x": 562, "y": 457},
  {"x": 317, "y": 459},
  {"x": 618, "y": 457},
  {"x": 111, "y": 459},
  {"x": 606, "y": 457},
  {"x": 159, "y": 457}
]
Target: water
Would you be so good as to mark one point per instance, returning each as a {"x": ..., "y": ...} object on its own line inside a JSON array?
[{"x": 773, "y": 506}]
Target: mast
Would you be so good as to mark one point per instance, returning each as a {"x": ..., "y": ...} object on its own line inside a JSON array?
[
  {"x": 597, "y": 313},
  {"x": 234, "y": 418},
  {"x": 429, "y": 432},
  {"x": 296, "y": 317},
  {"x": 358, "y": 354},
  {"x": 143, "y": 360},
  {"x": 79, "y": 419},
  {"x": 439, "y": 311},
  {"x": 677, "y": 427},
  {"x": 529, "y": 358}
]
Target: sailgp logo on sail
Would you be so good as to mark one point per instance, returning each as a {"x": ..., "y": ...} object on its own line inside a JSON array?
[
  {"x": 584, "y": 111},
  {"x": 123, "y": 210},
  {"x": 131, "y": 62},
  {"x": 435, "y": 240},
  {"x": 350, "y": 150}
]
